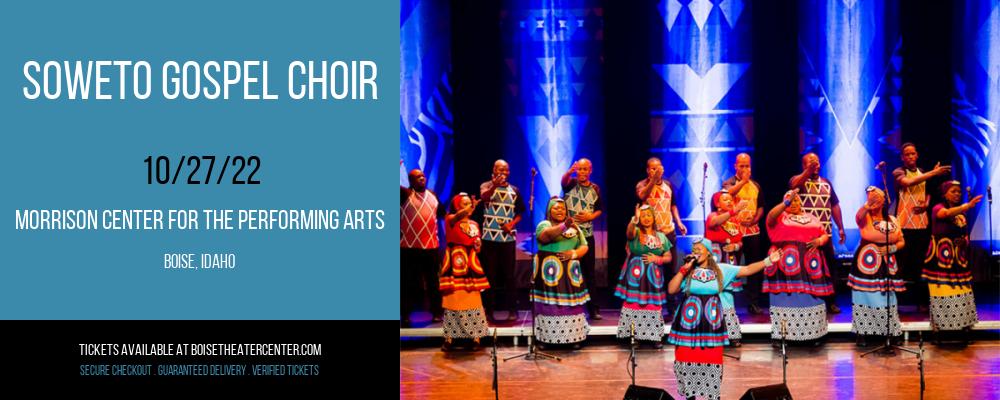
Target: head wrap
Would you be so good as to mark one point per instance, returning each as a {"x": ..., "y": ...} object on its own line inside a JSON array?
[
  {"x": 704, "y": 242},
  {"x": 457, "y": 201},
  {"x": 946, "y": 186}
]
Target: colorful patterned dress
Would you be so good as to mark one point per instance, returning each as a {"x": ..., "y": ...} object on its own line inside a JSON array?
[
  {"x": 643, "y": 288},
  {"x": 699, "y": 333},
  {"x": 727, "y": 233},
  {"x": 875, "y": 284},
  {"x": 559, "y": 290},
  {"x": 462, "y": 278},
  {"x": 797, "y": 281},
  {"x": 947, "y": 273}
]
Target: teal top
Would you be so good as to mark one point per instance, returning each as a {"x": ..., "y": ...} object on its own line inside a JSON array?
[
  {"x": 703, "y": 280},
  {"x": 569, "y": 240},
  {"x": 643, "y": 244}
]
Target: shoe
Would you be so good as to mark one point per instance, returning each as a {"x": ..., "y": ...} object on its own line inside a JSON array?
[
  {"x": 476, "y": 346},
  {"x": 446, "y": 346},
  {"x": 924, "y": 308},
  {"x": 754, "y": 309},
  {"x": 776, "y": 343},
  {"x": 861, "y": 341},
  {"x": 540, "y": 345},
  {"x": 833, "y": 309},
  {"x": 816, "y": 343},
  {"x": 736, "y": 343},
  {"x": 512, "y": 316},
  {"x": 575, "y": 346},
  {"x": 657, "y": 345},
  {"x": 437, "y": 318},
  {"x": 595, "y": 314},
  {"x": 896, "y": 341}
]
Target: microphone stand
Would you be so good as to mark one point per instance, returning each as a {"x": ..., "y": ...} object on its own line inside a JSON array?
[
  {"x": 493, "y": 357},
  {"x": 887, "y": 348},
  {"x": 532, "y": 353},
  {"x": 784, "y": 356},
  {"x": 631, "y": 356},
  {"x": 920, "y": 364}
]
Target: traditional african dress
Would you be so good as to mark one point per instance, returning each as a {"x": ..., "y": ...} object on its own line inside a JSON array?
[
  {"x": 946, "y": 270},
  {"x": 642, "y": 286},
  {"x": 699, "y": 333},
  {"x": 874, "y": 283},
  {"x": 462, "y": 278},
  {"x": 796, "y": 283},
  {"x": 558, "y": 290}
]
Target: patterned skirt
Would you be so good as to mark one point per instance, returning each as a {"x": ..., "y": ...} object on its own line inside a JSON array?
[
  {"x": 872, "y": 320},
  {"x": 641, "y": 283},
  {"x": 561, "y": 329},
  {"x": 648, "y": 324},
  {"x": 804, "y": 319},
  {"x": 465, "y": 324},
  {"x": 699, "y": 372},
  {"x": 732, "y": 323},
  {"x": 699, "y": 323},
  {"x": 954, "y": 312}
]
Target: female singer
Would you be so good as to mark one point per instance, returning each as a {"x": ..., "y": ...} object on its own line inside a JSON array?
[
  {"x": 798, "y": 282},
  {"x": 559, "y": 291},
  {"x": 698, "y": 331},
  {"x": 875, "y": 285},
  {"x": 462, "y": 277},
  {"x": 640, "y": 283},
  {"x": 949, "y": 280}
]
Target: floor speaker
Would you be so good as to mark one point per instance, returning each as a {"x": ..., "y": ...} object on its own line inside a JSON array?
[
  {"x": 646, "y": 393},
  {"x": 773, "y": 392}
]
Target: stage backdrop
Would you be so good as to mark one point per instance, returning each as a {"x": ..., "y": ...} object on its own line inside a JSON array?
[
  {"x": 701, "y": 106},
  {"x": 976, "y": 106},
  {"x": 850, "y": 63},
  {"x": 425, "y": 121},
  {"x": 553, "y": 104}
]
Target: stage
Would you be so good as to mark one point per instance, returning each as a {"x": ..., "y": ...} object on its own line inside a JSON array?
[
  {"x": 833, "y": 371},
  {"x": 597, "y": 371}
]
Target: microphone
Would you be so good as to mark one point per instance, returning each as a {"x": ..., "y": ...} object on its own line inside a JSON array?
[
  {"x": 880, "y": 165},
  {"x": 688, "y": 258},
  {"x": 989, "y": 194},
  {"x": 633, "y": 334},
  {"x": 782, "y": 327},
  {"x": 705, "y": 167}
]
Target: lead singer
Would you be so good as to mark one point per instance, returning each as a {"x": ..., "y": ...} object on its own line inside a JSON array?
[{"x": 698, "y": 331}]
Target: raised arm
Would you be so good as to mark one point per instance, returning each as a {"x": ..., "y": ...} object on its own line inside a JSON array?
[
  {"x": 938, "y": 170},
  {"x": 759, "y": 265}
]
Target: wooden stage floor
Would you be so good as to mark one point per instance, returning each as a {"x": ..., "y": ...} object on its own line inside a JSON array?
[{"x": 832, "y": 371}]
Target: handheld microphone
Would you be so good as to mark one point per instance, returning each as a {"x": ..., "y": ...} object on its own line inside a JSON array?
[
  {"x": 880, "y": 165},
  {"x": 783, "y": 327},
  {"x": 688, "y": 258},
  {"x": 705, "y": 167},
  {"x": 989, "y": 194}
]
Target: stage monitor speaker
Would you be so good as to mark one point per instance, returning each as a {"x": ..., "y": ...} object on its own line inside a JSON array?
[
  {"x": 646, "y": 393},
  {"x": 773, "y": 392}
]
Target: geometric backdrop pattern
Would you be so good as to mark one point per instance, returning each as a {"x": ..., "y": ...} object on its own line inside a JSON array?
[
  {"x": 850, "y": 85},
  {"x": 552, "y": 77},
  {"x": 701, "y": 106},
  {"x": 976, "y": 105},
  {"x": 425, "y": 120}
]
